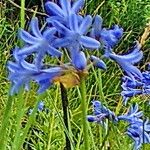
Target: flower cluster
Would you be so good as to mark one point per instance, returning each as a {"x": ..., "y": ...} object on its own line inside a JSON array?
[
  {"x": 101, "y": 113},
  {"x": 138, "y": 128},
  {"x": 137, "y": 86},
  {"x": 67, "y": 29}
]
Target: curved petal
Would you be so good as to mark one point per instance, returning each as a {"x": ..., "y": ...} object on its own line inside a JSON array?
[
  {"x": 62, "y": 42},
  {"x": 35, "y": 27},
  {"x": 44, "y": 85},
  {"x": 54, "y": 52},
  {"x": 28, "y": 38},
  {"x": 85, "y": 24},
  {"x": 48, "y": 33},
  {"x": 54, "y": 8},
  {"x": 79, "y": 60},
  {"x": 77, "y": 5},
  {"x": 73, "y": 22},
  {"x": 65, "y": 4},
  {"x": 97, "y": 25},
  {"x": 60, "y": 27},
  {"x": 89, "y": 42},
  {"x": 98, "y": 62},
  {"x": 28, "y": 50}
]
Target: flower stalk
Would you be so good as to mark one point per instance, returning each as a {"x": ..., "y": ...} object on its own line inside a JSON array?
[
  {"x": 64, "y": 99},
  {"x": 84, "y": 112}
]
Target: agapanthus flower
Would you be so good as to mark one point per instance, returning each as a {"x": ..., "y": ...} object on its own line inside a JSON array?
[
  {"x": 138, "y": 129},
  {"x": 101, "y": 113},
  {"x": 127, "y": 61},
  {"x": 109, "y": 37},
  {"x": 39, "y": 43},
  {"x": 62, "y": 12},
  {"x": 135, "y": 87},
  {"x": 21, "y": 73},
  {"x": 98, "y": 62},
  {"x": 132, "y": 114},
  {"x": 96, "y": 27},
  {"x": 74, "y": 38}
]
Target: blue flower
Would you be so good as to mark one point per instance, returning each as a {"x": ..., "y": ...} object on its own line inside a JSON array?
[
  {"x": 98, "y": 62},
  {"x": 126, "y": 62},
  {"x": 110, "y": 37},
  {"x": 132, "y": 114},
  {"x": 96, "y": 27},
  {"x": 75, "y": 35},
  {"x": 40, "y": 106},
  {"x": 135, "y": 87},
  {"x": 39, "y": 43},
  {"x": 74, "y": 38},
  {"x": 62, "y": 12},
  {"x": 101, "y": 113},
  {"x": 21, "y": 73},
  {"x": 139, "y": 131}
]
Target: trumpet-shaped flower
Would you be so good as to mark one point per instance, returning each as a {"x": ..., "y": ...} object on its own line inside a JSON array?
[
  {"x": 62, "y": 12},
  {"x": 39, "y": 43},
  {"x": 135, "y": 87},
  {"x": 75, "y": 35},
  {"x": 98, "y": 62},
  {"x": 132, "y": 114},
  {"x": 110, "y": 37},
  {"x": 21, "y": 73},
  {"x": 138, "y": 129},
  {"x": 101, "y": 113},
  {"x": 126, "y": 62}
]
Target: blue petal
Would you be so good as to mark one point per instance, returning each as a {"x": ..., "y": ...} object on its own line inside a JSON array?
[
  {"x": 79, "y": 60},
  {"x": 48, "y": 33},
  {"x": 73, "y": 22},
  {"x": 91, "y": 118},
  {"x": 85, "y": 24},
  {"x": 65, "y": 4},
  {"x": 44, "y": 85},
  {"x": 54, "y": 8},
  {"x": 89, "y": 42},
  {"x": 29, "y": 49},
  {"x": 77, "y": 5},
  {"x": 97, "y": 25},
  {"x": 54, "y": 52},
  {"x": 97, "y": 62},
  {"x": 60, "y": 27},
  {"x": 62, "y": 42},
  {"x": 28, "y": 38},
  {"x": 35, "y": 27}
]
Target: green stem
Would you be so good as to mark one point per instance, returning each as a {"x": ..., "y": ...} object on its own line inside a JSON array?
[
  {"x": 22, "y": 13},
  {"x": 100, "y": 86},
  {"x": 64, "y": 99},
  {"x": 5, "y": 123},
  {"x": 84, "y": 113}
]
